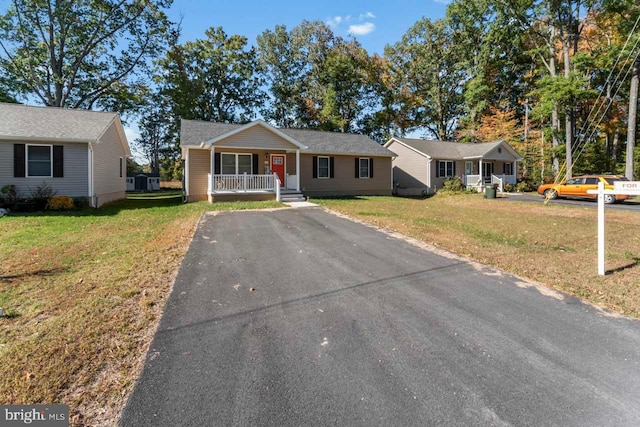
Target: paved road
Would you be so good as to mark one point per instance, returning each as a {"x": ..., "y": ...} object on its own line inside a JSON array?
[
  {"x": 348, "y": 326},
  {"x": 626, "y": 205}
]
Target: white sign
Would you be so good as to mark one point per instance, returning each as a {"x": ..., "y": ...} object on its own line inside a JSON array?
[{"x": 627, "y": 187}]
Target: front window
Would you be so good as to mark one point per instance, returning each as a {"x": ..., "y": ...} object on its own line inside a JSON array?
[
  {"x": 468, "y": 168},
  {"x": 323, "y": 167},
  {"x": 445, "y": 168},
  {"x": 234, "y": 164},
  {"x": 365, "y": 168},
  {"x": 508, "y": 169},
  {"x": 39, "y": 160}
]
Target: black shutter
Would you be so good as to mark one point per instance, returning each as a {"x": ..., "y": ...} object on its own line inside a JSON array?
[
  {"x": 216, "y": 163},
  {"x": 54, "y": 156},
  {"x": 254, "y": 162},
  {"x": 371, "y": 167},
  {"x": 331, "y": 166},
  {"x": 454, "y": 168},
  {"x": 315, "y": 166},
  {"x": 18, "y": 160},
  {"x": 437, "y": 168},
  {"x": 357, "y": 167}
]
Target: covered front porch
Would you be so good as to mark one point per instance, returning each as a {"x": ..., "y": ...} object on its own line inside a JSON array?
[
  {"x": 254, "y": 174},
  {"x": 485, "y": 171}
]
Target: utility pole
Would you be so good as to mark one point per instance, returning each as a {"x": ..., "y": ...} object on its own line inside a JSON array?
[{"x": 633, "y": 115}]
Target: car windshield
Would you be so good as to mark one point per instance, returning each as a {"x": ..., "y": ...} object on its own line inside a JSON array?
[{"x": 611, "y": 179}]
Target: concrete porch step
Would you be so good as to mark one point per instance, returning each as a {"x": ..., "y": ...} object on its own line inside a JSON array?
[{"x": 292, "y": 197}]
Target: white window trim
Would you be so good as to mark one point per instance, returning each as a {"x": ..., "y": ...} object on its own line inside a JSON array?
[
  {"x": 328, "y": 167},
  {"x": 236, "y": 163},
  {"x": 467, "y": 170},
  {"x": 446, "y": 168},
  {"x": 26, "y": 159},
  {"x": 368, "y": 159}
]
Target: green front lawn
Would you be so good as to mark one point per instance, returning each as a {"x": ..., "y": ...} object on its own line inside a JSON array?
[
  {"x": 82, "y": 293},
  {"x": 552, "y": 244}
]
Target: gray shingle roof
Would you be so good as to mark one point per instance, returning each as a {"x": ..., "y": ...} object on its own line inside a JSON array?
[
  {"x": 450, "y": 150},
  {"x": 49, "y": 123},
  {"x": 193, "y": 132}
]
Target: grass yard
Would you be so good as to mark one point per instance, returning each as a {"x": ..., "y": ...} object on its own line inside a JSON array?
[
  {"x": 552, "y": 244},
  {"x": 82, "y": 293}
]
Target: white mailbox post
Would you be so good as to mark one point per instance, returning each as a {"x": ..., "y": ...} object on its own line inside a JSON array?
[{"x": 630, "y": 188}]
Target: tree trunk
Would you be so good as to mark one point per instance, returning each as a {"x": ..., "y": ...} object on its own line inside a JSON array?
[
  {"x": 568, "y": 120},
  {"x": 633, "y": 116},
  {"x": 555, "y": 120},
  {"x": 614, "y": 149}
]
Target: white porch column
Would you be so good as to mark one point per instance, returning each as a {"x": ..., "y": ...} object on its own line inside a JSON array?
[
  {"x": 213, "y": 164},
  {"x": 481, "y": 172},
  {"x": 298, "y": 169},
  {"x": 514, "y": 171}
]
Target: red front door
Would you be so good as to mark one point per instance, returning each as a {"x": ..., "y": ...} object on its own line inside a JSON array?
[{"x": 277, "y": 166}]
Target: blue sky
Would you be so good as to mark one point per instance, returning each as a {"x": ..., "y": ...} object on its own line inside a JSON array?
[{"x": 374, "y": 23}]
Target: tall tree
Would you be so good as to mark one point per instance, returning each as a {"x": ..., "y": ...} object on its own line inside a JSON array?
[
  {"x": 430, "y": 76},
  {"x": 283, "y": 62},
  {"x": 81, "y": 53},
  {"x": 213, "y": 79}
]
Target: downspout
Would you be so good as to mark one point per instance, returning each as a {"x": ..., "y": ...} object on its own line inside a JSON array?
[
  {"x": 185, "y": 176},
  {"x": 92, "y": 200}
]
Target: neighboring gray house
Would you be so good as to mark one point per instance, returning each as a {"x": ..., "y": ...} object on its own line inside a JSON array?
[
  {"x": 422, "y": 166},
  {"x": 143, "y": 181},
  {"x": 78, "y": 153},
  {"x": 232, "y": 161}
]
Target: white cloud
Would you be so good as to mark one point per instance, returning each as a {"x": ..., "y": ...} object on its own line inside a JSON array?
[
  {"x": 334, "y": 22},
  {"x": 367, "y": 15},
  {"x": 442, "y": 1},
  {"x": 362, "y": 29},
  {"x": 131, "y": 134}
]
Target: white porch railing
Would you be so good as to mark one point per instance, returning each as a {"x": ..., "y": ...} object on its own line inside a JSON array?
[
  {"x": 241, "y": 183},
  {"x": 472, "y": 181},
  {"x": 478, "y": 182},
  {"x": 496, "y": 180}
]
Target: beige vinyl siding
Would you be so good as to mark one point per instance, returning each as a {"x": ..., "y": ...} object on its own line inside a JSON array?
[
  {"x": 409, "y": 168},
  {"x": 75, "y": 182},
  {"x": 255, "y": 137},
  {"x": 344, "y": 182},
  {"x": 107, "y": 182},
  {"x": 438, "y": 182},
  {"x": 199, "y": 168}
]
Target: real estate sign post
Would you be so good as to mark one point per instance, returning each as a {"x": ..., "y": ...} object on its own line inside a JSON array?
[{"x": 630, "y": 188}]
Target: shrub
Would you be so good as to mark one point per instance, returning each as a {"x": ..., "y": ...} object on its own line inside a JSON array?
[
  {"x": 453, "y": 185},
  {"x": 8, "y": 196},
  {"x": 507, "y": 188},
  {"x": 81, "y": 202},
  {"x": 523, "y": 186},
  {"x": 60, "y": 203},
  {"x": 41, "y": 195}
]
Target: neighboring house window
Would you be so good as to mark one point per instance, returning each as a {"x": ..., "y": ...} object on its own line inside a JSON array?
[
  {"x": 446, "y": 168},
  {"x": 468, "y": 168},
  {"x": 233, "y": 164},
  {"x": 364, "y": 167},
  {"x": 40, "y": 160},
  {"x": 323, "y": 167},
  {"x": 508, "y": 169}
]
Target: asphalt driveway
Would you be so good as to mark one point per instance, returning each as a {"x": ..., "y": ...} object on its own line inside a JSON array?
[{"x": 298, "y": 317}]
